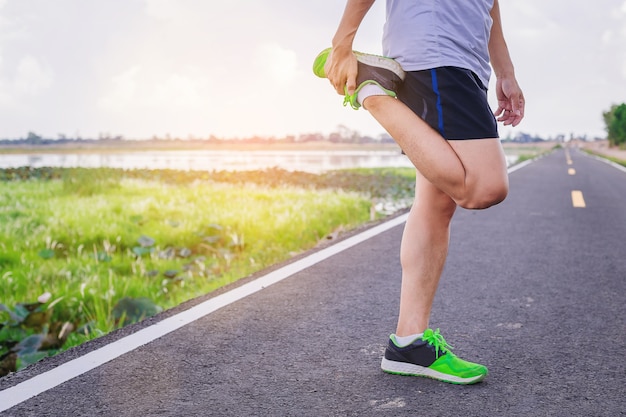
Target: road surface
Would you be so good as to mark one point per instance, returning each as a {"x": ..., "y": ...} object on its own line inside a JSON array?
[{"x": 533, "y": 288}]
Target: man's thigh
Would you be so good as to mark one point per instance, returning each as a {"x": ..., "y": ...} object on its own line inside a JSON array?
[{"x": 485, "y": 166}]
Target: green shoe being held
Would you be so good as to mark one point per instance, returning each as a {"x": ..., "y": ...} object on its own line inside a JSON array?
[{"x": 384, "y": 72}]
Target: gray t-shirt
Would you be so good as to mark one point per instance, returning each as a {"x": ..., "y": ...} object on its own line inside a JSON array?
[{"x": 425, "y": 34}]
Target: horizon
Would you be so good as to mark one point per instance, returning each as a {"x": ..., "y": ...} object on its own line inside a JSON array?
[{"x": 33, "y": 138}]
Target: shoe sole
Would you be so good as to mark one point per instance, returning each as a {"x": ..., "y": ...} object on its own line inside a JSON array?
[
  {"x": 380, "y": 62},
  {"x": 409, "y": 369},
  {"x": 367, "y": 59}
]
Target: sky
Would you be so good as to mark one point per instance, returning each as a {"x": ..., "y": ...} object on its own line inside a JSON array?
[{"x": 242, "y": 68}]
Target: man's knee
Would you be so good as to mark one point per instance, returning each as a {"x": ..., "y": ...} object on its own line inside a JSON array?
[{"x": 485, "y": 197}]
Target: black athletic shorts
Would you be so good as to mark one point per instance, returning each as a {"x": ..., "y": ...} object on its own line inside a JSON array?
[{"x": 452, "y": 100}]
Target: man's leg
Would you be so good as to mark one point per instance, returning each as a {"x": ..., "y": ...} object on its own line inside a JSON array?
[
  {"x": 472, "y": 172},
  {"x": 423, "y": 253},
  {"x": 415, "y": 349}
]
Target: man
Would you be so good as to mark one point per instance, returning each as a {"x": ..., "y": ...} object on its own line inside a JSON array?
[{"x": 440, "y": 54}]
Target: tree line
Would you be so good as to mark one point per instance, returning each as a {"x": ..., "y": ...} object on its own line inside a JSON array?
[
  {"x": 342, "y": 135},
  {"x": 614, "y": 119}
]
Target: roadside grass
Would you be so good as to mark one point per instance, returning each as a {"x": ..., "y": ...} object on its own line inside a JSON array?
[
  {"x": 525, "y": 157},
  {"x": 527, "y": 152},
  {"x": 610, "y": 158},
  {"x": 86, "y": 251}
]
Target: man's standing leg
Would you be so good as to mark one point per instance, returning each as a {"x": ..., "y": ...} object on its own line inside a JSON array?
[
  {"x": 470, "y": 173},
  {"x": 415, "y": 349},
  {"x": 423, "y": 254}
]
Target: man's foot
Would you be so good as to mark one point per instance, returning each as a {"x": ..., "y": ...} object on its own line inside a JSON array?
[
  {"x": 431, "y": 357},
  {"x": 381, "y": 71}
]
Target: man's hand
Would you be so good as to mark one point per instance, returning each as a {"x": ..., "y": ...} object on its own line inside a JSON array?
[
  {"x": 510, "y": 101},
  {"x": 341, "y": 70}
]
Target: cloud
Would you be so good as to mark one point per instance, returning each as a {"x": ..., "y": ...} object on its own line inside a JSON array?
[
  {"x": 619, "y": 11},
  {"x": 163, "y": 9},
  {"x": 139, "y": 88},
  {"x": 278, "y": 63},
  {"x": 537, "y": 24},
  {"x": 607, "y": 37},
  {"x": 122, "y": 90},
  {"x": 31, "y": 76},
  {"x": 182, "y": 91}
]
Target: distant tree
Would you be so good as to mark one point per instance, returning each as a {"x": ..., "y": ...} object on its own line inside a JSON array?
[
  {"x": 615, "y": 120},
  {"x": 33, "y": 138},
  {"x": 334, "y": 137},
  {"x": 311, "y": 137}
]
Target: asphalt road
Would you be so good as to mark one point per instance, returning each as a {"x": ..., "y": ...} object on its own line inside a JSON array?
[{"x": 534, "y": 289}]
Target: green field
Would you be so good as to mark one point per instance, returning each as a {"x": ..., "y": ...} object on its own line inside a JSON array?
[{"x": 86, "y": 251}]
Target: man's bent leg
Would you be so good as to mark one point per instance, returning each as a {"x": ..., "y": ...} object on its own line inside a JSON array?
[
  {"x": 486, "y": 176},
  {"x": 423, "y": 253},
  {"x": 472, "y": 172}
]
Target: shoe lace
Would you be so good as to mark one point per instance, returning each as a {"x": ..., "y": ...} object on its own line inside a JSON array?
[
  {"x": 351, "y": 100},
  {"x": 436, "y": 339}
]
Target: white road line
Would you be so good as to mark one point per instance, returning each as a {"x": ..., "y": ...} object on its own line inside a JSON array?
[
  {"x": 38, "y": 384},
  {"x": 521, "y": 165}
]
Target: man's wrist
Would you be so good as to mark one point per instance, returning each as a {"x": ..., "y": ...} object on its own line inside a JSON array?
[{"x": 505, "y": 73}]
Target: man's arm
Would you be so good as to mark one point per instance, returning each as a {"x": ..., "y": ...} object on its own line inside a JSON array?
[
  {"x": 510, "y": 97},
  {"x": 341, "y": 66}
]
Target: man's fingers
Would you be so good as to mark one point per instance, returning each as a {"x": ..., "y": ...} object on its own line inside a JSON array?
[
  {"x": 351, "y": 85},
  {"x": 501, "y": 112},
  {"x": 511, "y": 110},
  {"x": 518, "y": 109},
  {"x": 339, "y": 87},
  {"x": 515, "y": 105},
  {"x": 341, "y": 70}
]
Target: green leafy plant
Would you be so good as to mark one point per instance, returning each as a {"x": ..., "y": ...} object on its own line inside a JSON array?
[{"x": 27, "y": 333}]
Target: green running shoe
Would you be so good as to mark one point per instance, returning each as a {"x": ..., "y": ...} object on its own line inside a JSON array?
[
  {"x": 431, "y": 357},
  {"x": 372, "y": 69}
]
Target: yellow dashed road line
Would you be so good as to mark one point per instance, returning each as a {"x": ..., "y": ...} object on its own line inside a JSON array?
[
  {"x": 568, "y": 158},
  {"x": 577, "y": 196},
  {"x": 578, "y": 199}
]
